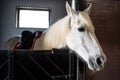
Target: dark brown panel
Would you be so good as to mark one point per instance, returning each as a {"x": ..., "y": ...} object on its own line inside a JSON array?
[{"x": 106, "y": 19}]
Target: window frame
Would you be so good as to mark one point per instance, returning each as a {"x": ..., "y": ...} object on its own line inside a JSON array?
[{"x": 32, "y": 8}]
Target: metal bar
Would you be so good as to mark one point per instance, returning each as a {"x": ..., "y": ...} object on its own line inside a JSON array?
[
  {"x": 77, "y": 70},
  {"x": 74, "y": 4},
  {"x": 70, "y": 65},
  {"x": 39, "y": 66},
  {"x": 55, "y": 65},
  {"x": 26, "y": 70},
  {"x": 10, "y": 64},
  {"x": 4, "y": 63}
]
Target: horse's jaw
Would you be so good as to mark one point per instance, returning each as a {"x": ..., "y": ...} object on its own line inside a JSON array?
[{"x": 92, "y": 63}]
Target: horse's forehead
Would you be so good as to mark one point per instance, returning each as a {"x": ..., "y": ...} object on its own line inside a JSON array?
[{"x": 84, "y": 18}]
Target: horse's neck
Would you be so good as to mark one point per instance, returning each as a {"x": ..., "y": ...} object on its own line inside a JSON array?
[
  {"x": 60, "y": 28},
  {"x": 59, "y": 31},
  {"x": 55, "y": 37}
]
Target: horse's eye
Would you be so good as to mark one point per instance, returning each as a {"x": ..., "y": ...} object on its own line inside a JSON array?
[{"x": 81, "y": 29}]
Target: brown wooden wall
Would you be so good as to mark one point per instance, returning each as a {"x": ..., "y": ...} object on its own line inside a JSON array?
[{"x": 106, "y": 19}]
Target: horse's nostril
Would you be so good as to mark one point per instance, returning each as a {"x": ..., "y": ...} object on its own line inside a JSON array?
[{"x": 99, "y": 61}]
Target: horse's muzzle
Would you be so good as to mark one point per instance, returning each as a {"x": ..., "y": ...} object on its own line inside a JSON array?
[{"x": 96, "y": 64}]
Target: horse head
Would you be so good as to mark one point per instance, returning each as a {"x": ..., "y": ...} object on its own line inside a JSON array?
[{"x": 82, "y": 38}]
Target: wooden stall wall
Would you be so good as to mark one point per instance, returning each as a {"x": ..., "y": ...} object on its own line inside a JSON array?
[{"x": 106, "y": 19}]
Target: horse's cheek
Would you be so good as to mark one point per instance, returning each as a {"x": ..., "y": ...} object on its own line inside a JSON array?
[{"x": 73, "y": 42}]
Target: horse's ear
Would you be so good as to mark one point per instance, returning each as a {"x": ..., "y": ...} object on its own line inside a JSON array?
[
  {"x": 69, "y": 10},
  {"x": 88, "y": 10}
]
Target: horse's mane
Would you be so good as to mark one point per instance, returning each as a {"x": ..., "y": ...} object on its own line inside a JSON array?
[
  {"x": 55, "y": 35},
  {"x": 59, "y": 28}
]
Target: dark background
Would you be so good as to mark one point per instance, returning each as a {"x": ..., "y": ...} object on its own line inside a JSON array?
[
  {"x": 105, "y": 16},
  {"x": 106, "y": 19}
]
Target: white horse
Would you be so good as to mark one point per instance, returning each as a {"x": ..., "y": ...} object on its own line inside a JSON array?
[{"x": 76, "y": 32}]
